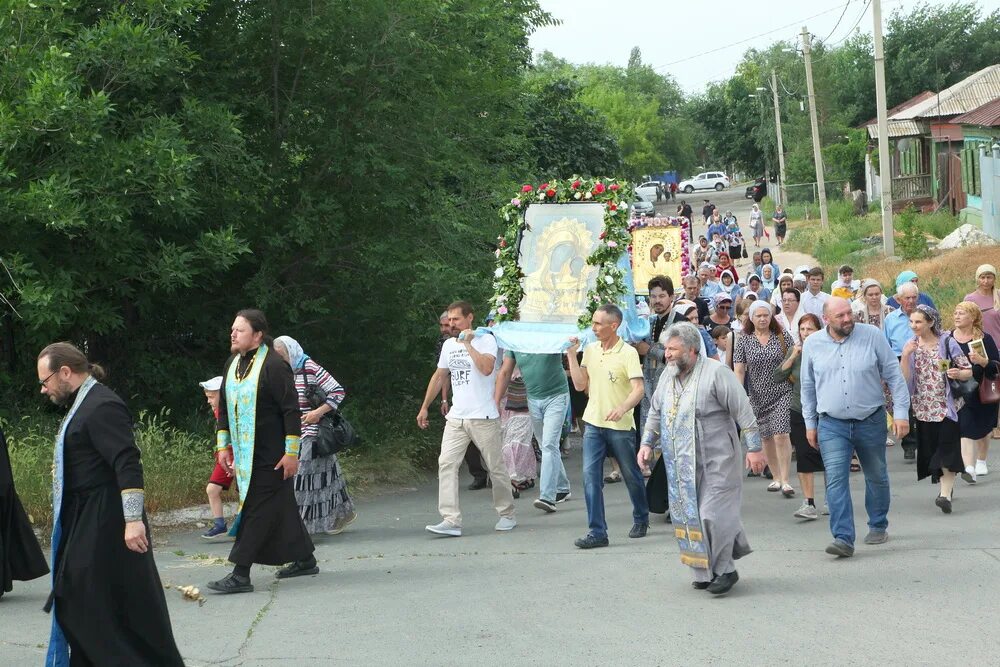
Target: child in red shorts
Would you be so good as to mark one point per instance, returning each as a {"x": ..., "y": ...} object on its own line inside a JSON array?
[{"x": 220, "y": 480}]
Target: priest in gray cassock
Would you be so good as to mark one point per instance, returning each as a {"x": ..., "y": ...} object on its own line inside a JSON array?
[{"x": 695, "y": 410}]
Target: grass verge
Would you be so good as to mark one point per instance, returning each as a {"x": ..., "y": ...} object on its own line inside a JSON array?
[
  {"x": 947, "y": 275},
  {"x": 177, "y": 462}
]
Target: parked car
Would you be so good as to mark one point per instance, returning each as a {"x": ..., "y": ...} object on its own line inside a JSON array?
[
  {"x": 642, "y": 206},
  {"x": 709, "y": 180},
  {"x": 757, "y": 191},
  {"x": 648, "y": 190}
]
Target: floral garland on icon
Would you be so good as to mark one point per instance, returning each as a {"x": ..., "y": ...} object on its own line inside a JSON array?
[
  {"x": 669, "y": 221},
  {"x": 610, "y": 287}
]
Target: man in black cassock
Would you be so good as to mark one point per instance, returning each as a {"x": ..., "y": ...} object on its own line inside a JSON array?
[
  {"x": 20, "y": 556},
  {"x": 259, "y": 418},
  {"x": 107, "y": 599}
]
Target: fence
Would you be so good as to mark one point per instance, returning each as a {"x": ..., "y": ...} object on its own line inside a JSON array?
[
  {"x": 803, "y": 198},
  {"x": 989, "y": 174}
]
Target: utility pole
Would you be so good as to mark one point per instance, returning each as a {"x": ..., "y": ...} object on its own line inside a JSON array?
[
  {"x": 781, "y": 148},
  {"x": 884, "y": 158},
  {"x": 817, "y": 149}
]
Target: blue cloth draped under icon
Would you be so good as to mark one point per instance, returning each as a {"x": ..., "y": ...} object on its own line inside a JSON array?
[{"x": 552, "y": 338}]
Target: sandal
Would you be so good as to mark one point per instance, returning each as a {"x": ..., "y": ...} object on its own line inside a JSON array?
[
  {"x": 613, "y": 477},
  {"x": 774, "y": 486},
  {"x": 787, "y": 491}
]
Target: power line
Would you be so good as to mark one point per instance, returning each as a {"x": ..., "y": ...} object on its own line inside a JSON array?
[
  {"x": 850, "y": 32},
  {"x": 750, "y": 39},
  {"x": 837, "y": 24}
]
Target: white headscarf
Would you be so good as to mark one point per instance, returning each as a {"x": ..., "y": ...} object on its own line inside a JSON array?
[
  {"x": 769, "y": 283},
  {"x": 296, "y": 357}
]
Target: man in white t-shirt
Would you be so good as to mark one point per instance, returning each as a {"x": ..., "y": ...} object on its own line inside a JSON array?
[
  {"x": 814, "y": 298},
  {"x": 471, "y": 362}
]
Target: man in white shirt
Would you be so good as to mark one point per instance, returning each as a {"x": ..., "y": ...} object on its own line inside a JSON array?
[
  {"x": 814, "y": 298},
  {"x": 471, "y": 362}
]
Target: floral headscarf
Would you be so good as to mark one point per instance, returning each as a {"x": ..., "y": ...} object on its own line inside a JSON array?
[{"x": 934, "y": 316}]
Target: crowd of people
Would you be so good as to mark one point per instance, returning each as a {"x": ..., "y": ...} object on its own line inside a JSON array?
[
  {"x": 824, "y": 380},
  {"x": 833, "y": 374}
]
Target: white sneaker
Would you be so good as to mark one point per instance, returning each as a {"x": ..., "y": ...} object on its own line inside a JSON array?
[
  {"x": 826, "y": 509},
  {"x": 506, "y": 523},
  {"x": 969, "y": 475},
  {"x": 981, "y": 468},
  {"x": 807, "y": 511},
  {"x": 445, "y": 528}
]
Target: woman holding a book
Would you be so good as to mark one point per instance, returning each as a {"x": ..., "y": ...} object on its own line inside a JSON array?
[{"x": 976, "y": 420}]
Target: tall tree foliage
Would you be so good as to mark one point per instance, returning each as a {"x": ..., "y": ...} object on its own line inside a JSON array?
[
  {"x": 386, "y": 131},
  {"x": 643, "y": 108},
  {"x": 567, "y": 136},
  {"x": 936, "y": 46},
  {"x": 120, "y": 189}
]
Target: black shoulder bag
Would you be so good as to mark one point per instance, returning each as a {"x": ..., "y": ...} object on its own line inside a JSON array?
[
  {"x": 335, "y": 432},
  {"x": 961, "y": 388}
]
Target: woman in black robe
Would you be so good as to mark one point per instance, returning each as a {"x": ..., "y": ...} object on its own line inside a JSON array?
[{"x": 20, "y": 556}]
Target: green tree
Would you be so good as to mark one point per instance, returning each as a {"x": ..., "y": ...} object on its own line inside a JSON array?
[
  {"x": 120, "y": 188},
  {"x": 568, "y": 137},
  {"x": 388, "y": 133},
  {"x": 936, "y": 46}
]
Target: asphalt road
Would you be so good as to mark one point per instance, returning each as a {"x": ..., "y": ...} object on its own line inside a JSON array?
[
  {"x": 730, "y": 199},
  {"x": 390, "y": 593}
]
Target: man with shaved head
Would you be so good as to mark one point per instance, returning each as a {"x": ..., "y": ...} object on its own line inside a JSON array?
[{"x": 843, "y": 368}]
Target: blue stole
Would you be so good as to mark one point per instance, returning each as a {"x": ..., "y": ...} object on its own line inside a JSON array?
[
  {"x": 677, "y": 443},
  {"x": 241, "y": 407},
  {"x": 58, "y": 653}
]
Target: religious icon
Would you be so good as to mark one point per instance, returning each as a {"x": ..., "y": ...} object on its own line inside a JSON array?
[
  {"x": 553, "y": 256},
  {"x": 656, "y": 251}
]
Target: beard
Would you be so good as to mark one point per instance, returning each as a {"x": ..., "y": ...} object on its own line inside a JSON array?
[
  {"x": 679, "y": 366},
  {"x": 61, "y": 395},
  {"x": 844, "y": 330}
]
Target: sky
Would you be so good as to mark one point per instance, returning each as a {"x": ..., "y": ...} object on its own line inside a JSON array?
[{"x": 602, "y": 31}]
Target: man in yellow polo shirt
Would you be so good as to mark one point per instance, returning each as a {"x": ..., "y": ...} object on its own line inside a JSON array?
[{"x": 611, "y": 375}]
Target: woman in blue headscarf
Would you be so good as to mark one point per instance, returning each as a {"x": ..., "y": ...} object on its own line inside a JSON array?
[{"x": 320, "y": 487}]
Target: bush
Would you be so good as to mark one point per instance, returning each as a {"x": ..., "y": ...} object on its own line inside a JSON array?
[
  {"x": 177, "y": 462},
  {"x": 912, "y": 244}
]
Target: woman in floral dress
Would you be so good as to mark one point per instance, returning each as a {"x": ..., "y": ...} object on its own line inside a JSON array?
[
  {"x": 758, "y": 352},
  {"x": 939, "y": 452}
]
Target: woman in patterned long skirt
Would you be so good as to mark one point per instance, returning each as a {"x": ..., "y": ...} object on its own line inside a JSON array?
[
  {"x": 320, "y": 487},
  {"x": 515, "y": 425}
]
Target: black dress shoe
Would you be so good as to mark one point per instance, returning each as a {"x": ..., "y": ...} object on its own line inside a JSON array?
[
  {"x": 477, "y": 484},
  {"x": 299, "y": 568},
  {"x": 909, "y": 454},
  {"x": 638, "y": 530},
  {"x": 232, "y": 583},
  {"x": 591, "y": 542},
  {"x": 722, "y": 583},
  {"x": 700, "y": 585}
]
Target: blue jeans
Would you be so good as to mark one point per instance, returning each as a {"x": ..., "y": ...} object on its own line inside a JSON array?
[
  {"x": 838, "y": 438},
  {"x": 547, "y": 417},
  {"x": 597, "y": 444}
]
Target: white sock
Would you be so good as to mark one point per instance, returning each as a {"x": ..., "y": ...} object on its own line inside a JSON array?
[{"x": 978, "y": 461}]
